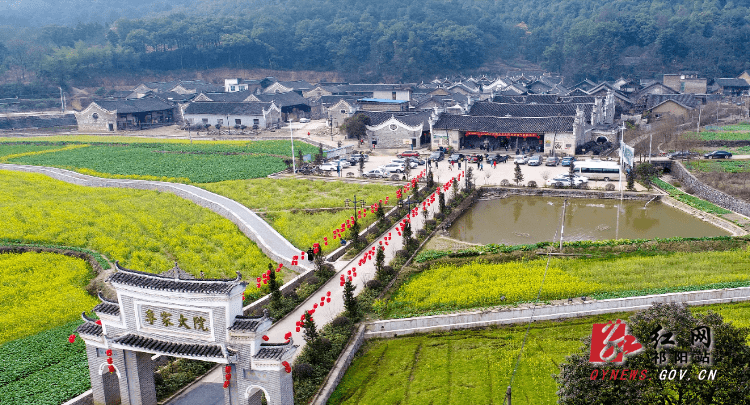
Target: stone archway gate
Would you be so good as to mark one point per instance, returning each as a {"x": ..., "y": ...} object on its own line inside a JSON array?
[{"x": 174, "y": 314}]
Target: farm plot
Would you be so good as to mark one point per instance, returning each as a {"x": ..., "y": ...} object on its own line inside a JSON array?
[
  {"x": 40, "y": 291},
  {"x": 144, "y": 230},
  {"x": 446, "y": 287},
  {"x": 182, "y": 162},
  {"x": 304, "y": 211},
  {"x": 463, "y": 367},
  {"x": 731, "y": 176}
]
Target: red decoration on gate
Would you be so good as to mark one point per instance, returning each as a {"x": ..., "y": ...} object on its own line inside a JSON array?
[
  {"x": 226, "y": 384},
  {"x": 228, "y": 369},
  {"x": 265, "y": 338},
  {"x": 111, "y": 369}
]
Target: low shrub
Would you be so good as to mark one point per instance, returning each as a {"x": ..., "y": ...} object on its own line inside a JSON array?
[
  {"x": 374, "y": 284},
  {"x": 303, "y": 370},
  {"x": 504, "y": 183},
  {"x": 342, "y": 320},
  {"x": 609, "y": 187},
  {"x": 531, "y": 184}
]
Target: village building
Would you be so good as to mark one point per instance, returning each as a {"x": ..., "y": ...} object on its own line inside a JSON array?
[
  {"x": 233, "y": 85},
  {"x": 233, "y": 115},
  {"x": 297, "y": 86},
  {"x": 732, "y": 87},
  {"x": 686, "y": 82},
  {"x": 343, "y": 109},
  {"x": 122, "y": 115},
  {"x": 379, "y": 104},
  {"x": 398, "y": 129},
  {"x": 177, "y": 86}
]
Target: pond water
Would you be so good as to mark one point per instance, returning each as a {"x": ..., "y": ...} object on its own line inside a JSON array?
[{"x": 518, "y": 220}]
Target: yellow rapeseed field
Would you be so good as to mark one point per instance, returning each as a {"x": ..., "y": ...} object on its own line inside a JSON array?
[
  {"x": 39, "y": 291},
  {"x": 144, "y": 230}
]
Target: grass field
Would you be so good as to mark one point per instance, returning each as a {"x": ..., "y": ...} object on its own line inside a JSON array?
[
  {"x": 281, "y": 201},
  {"x": 144, "y": 230},
  {"x": 40, "y": 291},
  {"x": 175, "y": 161},
  {"x": 474, "y": 367},
  {"x": 446, "y": 287},
  {"x": 727, "y": 133},
  {"x": 729, "y": 176},
  {"x": 720, "y": 166}
]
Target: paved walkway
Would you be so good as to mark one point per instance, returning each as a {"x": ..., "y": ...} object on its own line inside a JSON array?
[
  {"x": 268, "y": 239},
  {"x": 391, "y": 241}
]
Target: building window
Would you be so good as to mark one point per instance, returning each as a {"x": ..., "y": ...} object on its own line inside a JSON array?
[
  {"x": 237, "y": 121},
  {"x": 95, "y": 116},
  {"x": 256, "y": 121},
  {"x": 343, "y": 111},
  {"x": 231, "y": 88},
  {"x": 205, "y": 120},
  {"x": 393, "y": 95},
  {"x": 393, "y": 127}
]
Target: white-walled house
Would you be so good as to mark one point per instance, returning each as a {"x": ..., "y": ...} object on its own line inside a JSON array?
[{"x": 232, "y": 114}]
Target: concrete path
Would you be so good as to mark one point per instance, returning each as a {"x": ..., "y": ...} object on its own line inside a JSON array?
[
  {"x": 268, "y": 239},
  {"x": 365, "y": 272}
]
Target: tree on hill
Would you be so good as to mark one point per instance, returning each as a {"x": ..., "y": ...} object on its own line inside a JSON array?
[{"x": 668, "y": 333}]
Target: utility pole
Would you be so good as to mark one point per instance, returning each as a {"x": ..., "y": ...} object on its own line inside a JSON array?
[{"x": 291, "y": 137}]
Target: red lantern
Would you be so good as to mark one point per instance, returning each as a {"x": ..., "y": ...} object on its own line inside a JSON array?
[
  {"x": 265, "y": 338},
  {"x": 315, "y": 306},
  {"x": 328, "y": 300},
  {"x": 312, "y": 311},
  {"x": 228, "y": 369},
  {"x": 322, "y": 303},
  {"x": 328, "y": 293},
  {"x": 302, "y": 318},
  {"x": 297, "y": 328},
  {"x": 258, "y": 285},
  {"x": 228, "y": 376},
  {"x": 108, "y": 352},
  {"x": 72, "y": 338},
  {"x": 109, "y": 360},
  {"x": 98, "y": 322},
  {"x": 111, "y": 369},
  {"x": 288, "y": 335},
  {"x": 243, "y": 296},
  {"x": 342, "y": 284},
  {"x": 226, "y": 384}
]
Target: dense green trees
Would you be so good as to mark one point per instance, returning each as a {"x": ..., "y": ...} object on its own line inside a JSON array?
[{"x": 403, "y": 40}]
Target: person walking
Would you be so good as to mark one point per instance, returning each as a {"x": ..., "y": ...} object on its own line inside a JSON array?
[
  {"x": 481, "y": 167},
  {"x": 494, "y": 164},
  {"x": 459, "y": 165}
]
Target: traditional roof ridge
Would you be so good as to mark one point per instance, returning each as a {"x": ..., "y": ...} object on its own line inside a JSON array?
[
  {"x": 159, "y": 282},
  {"x": 152, "y": 345},
  {"x": 89, "y": 328},
  {"x": 108, "y": 308},
  {"x": 105, "y": 299}
]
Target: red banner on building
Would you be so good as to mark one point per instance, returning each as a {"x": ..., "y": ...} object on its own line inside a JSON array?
[{"x": 506, "y": 134}]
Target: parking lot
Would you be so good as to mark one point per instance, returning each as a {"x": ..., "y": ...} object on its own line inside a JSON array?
[{"x": 487, "y": 176}]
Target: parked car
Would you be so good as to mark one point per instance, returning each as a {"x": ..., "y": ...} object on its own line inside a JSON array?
[
  {"x": 327, "y": 167},
  {"x": 344, "y": 162},
  {"x": 376, "y": 173},
  {"x": 408, "y": 153},
  {"x": 553, "y": 161},
  {"x": 535, "y": 160},
  {"x": 412, "y": 164},
  {"x": 475, "y": 158},
  {"x": 682, "y": 154},
  {"x": 567, "y": 160},
  {"x": 304, "y": 120},
  {"x": 456, "y": 157},
  {"x": 718, "y": 154},
  {"x": 563, "y": 180},
  {"x": 393, "y": 167},
  {"x": 521, "y": 159},
  {"x": 416, "y": 160},
  {"x": 436, "y": 156},
  {"x": 497, "y": 158},
  {"x": 356, "y": 156}
]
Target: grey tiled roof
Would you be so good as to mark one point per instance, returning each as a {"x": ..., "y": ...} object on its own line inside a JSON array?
[
  {"x": 134, "y": 105},
  {"x": 732, "y": 82},
  {"x": 504, "y": 124},
  {"x": 246, "y": 323},
  {"x": 274, "y": 351},
  {"x": 225, "y": 108},
  {"x": 688, "y": 100},
  {"x": 491, "y": 109},
  {"x": 283, "y": 99},
  {"x": 89, "y": 328},
  {"x": 411, "y": 119},
  {"x": 108, "y": 308},
  {"x": 543, "y": 99},
  {"x": 151, "y": 345},
  {"x": 158, "y": 282},
  {"x": 236, "y": 97}
]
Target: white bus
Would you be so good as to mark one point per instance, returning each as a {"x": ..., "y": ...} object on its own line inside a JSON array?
[{"x": 598, "y": 169}]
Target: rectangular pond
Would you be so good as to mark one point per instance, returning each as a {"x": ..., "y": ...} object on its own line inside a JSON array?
[{"x": 516, "y": 220}]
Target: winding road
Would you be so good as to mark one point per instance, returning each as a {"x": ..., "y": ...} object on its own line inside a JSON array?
[{"x": 268, "y": 239}]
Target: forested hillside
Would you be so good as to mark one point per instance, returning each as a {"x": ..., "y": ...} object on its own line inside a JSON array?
[{"x": 403, "y": 39}]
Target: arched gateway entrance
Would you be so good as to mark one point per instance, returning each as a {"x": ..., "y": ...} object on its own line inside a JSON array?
[{"x": 174, "y": 314}]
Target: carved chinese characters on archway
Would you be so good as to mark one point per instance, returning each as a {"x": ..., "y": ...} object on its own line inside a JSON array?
[{"x": 174, "y": 319}]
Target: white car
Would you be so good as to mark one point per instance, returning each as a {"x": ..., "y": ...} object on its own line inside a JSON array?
[
  {"x": 327, "y": 167},
  {"x": 412, "y": 164},
  {"x": 304, "y": 120},
  {"x": 393, "y": 167},
  {"x": 344, "y": 162},
  {"x": 563, "y": 180},
  {"x": 521, "y": 159},
  {"x": 375, "y": 173}
]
